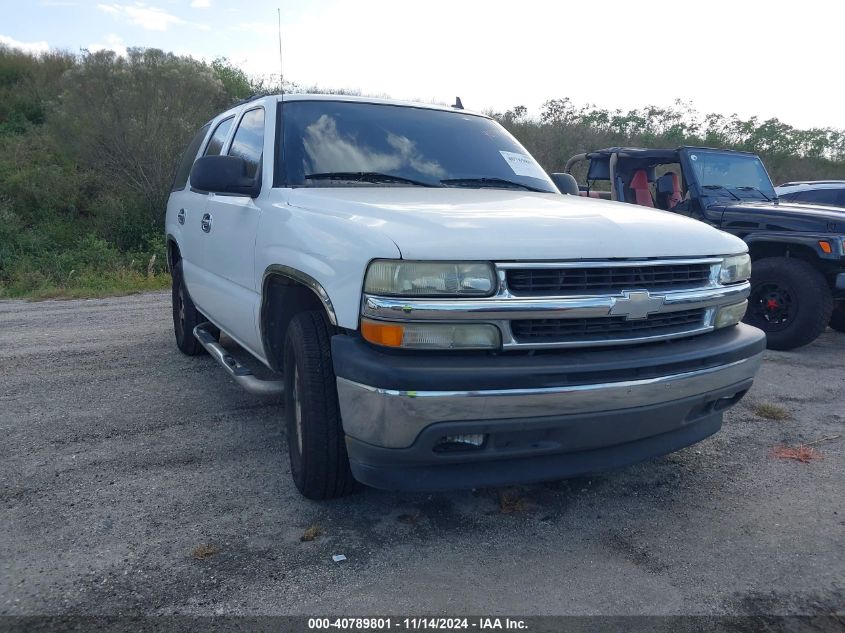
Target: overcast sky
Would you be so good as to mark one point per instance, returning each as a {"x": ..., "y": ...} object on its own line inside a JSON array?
[{"x": 770, "y": 59}]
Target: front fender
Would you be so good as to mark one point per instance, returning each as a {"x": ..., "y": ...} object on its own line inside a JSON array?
[
  {"x": 328, "y": 254},
  {"x": 808, "y": 240}
]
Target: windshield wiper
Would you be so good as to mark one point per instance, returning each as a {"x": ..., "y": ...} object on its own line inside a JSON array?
[
  {"x": 733, "y": 195},
  {"x": 491, "y": 182},
  {"x": 368, "y": 176},
  {"x": 755, "y": 189}
]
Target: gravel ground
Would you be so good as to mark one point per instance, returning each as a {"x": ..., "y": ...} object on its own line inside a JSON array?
[{"x": 120, "y": 457}]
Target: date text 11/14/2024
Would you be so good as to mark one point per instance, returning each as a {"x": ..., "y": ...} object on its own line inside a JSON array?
[{"x": 416, "y": 624}]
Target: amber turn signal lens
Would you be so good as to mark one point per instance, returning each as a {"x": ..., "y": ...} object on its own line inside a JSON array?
[
  {"x": 388, "y": 334},
  {"x": 825, "y": 246}
]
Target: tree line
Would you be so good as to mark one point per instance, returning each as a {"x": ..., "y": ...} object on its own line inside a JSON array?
[
  {"x": 564, "y": 129},
  {"x": 88, "y": 148},
  {"x": 89, "y": 144}
]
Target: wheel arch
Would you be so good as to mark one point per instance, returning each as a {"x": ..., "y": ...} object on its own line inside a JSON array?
[
  {"x": 804, "y": 247},
  {"x": 174, "y": 254},
  {"x": 285, "y": 292}
]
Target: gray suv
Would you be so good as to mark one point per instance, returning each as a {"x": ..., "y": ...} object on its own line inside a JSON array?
[{"x": 826, "y": 192}]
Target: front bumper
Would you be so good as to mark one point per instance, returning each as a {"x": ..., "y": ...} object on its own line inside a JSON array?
[{"x": 545, "y": 416}]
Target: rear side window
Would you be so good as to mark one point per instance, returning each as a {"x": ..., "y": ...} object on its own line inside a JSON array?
[
  {"x": 249, "y": 140},
  {"x": 188, "y": 159},
  {"x": 818, "y": 196},
  {"x": 215, "y": 144}
]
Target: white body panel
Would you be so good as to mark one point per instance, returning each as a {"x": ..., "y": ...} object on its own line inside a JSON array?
[
  {"x": 332, "y": 250},
  {"x": 500, "y": 225},
  {"x": 331, "y": 234},
  {"x": 221, "y": 270}
]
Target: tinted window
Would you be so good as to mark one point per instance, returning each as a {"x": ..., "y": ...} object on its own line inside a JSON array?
[
  {"x": 188, "y": 158},
  {"x": 249, "y": 140},
  {"x": 819, "y": 196},
  {"x": 215, "y": 144},
  {"x": 417, "y": 144}
]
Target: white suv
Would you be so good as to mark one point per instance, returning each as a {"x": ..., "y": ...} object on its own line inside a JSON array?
[{"x": 438, "y": 314}]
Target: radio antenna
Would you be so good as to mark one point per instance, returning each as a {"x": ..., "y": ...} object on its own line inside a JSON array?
[{"x": 281, "y": 67}]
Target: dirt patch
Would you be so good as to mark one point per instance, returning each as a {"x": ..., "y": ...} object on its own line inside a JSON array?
[{"x": 206, "y": 550}]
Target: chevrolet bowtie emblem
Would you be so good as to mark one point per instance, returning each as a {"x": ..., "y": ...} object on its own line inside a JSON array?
[{"x": 636, "y": 305}]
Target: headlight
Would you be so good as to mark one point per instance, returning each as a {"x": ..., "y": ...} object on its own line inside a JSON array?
[
  {"x": 430, "y": 279},
  {"x": 735, "y": 268},
  {"x": 431, "y": 335},
  {"x": 730, "y": 315}
]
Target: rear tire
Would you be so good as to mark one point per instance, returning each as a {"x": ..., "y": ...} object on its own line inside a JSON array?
[
  {"x": 319, "y": 464},
  {"x": 790, "y": 301},
  {"x": 837, "y": 318},
  {"x": 185, "y": 315}
]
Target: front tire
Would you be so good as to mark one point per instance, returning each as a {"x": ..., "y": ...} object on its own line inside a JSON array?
[
  {"x": 837, "y": 319},
  {"x": 790, "y": 301},
  {"x": 319, "y": 464},
  {"x": 185, "y": 315}
]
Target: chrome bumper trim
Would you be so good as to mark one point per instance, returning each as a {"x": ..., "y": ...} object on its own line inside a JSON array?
[
  {"x": 393, "y": 419},
  {"x": 510, "y": 308},
  {"x": 502, "y": 309},
  {"x": 618, "y": 263}
]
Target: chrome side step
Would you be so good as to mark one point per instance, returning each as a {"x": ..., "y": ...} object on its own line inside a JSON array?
[{"x": 243, "y": 376}]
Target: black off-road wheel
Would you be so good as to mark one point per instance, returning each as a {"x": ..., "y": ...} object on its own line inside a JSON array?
[
  {"x": 319, "y": 464},
  {"x": 185, "y": 315},
  {"x": 790, "y": 301},
  {"x": 837, "y": 318}
]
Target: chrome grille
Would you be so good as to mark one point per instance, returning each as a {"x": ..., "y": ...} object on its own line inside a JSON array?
[
  {"x": 572, "y": 304},
  {"x": 606, "y": 328},
  {"x": 610, "y": 279}
]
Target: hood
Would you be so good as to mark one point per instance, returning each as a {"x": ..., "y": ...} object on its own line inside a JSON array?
[
  {"x": 787, "y": 216},
  {"x": 493, "y": 224}
]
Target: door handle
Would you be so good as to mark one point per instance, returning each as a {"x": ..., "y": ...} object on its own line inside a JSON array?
[
  {"x": 206, "y": 222},
  {"x": 181, "y": 216}
]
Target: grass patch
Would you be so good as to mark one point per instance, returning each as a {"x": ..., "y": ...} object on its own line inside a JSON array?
[
  {"x": 770, "y": 411},
  {"x": 86, "y": 286},
  {"x": 803, "y": 453},
  {"x": 311, "y": 533},
  {"x": 511, "y": 501}
]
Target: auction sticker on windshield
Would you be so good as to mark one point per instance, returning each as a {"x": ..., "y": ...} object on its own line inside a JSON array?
[{"x": 523, "y": 165}]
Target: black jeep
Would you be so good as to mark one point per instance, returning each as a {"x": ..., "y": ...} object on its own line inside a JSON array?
[{"x": 798, "y": 250}]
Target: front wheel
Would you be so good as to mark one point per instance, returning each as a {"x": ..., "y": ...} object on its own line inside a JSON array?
[
  {"x": 790, "y": 301},
  {"x": 837, "y": 319},
  {"x": 319, "y": 464}
]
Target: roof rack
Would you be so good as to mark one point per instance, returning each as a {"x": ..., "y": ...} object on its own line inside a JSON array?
[
  {"x": 796, "y": 183},
  {"x": 257, "y": 95}
]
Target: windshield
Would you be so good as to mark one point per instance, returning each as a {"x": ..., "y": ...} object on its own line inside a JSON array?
[
  {"x": 738, "y": 174},
  {"x": 336, "y": 143}
]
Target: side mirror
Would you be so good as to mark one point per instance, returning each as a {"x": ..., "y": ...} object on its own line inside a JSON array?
[
  {"x": 224, "y": 174},
  {"x": 566, "y": 183}
]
